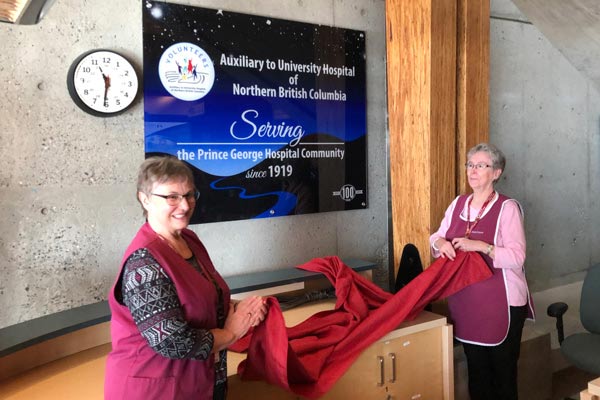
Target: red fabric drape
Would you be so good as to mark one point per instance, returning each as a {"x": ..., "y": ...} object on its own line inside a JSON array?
[{"x": 309, "y": 358}]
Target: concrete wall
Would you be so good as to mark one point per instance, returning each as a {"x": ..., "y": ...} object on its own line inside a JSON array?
[
  {"x": 67, "y": 179},
  {"x": 545, "y": 114}
]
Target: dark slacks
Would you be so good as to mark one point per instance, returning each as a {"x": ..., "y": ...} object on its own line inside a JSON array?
[
  {"x": 220, "y": 391},
  {"x": 493, "y": 369}
]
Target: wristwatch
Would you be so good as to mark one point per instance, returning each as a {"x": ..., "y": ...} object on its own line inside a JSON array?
[{"x": 489, "y": 249}]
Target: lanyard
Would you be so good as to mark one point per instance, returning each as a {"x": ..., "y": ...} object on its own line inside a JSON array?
[{"x": 481, "y": 210}]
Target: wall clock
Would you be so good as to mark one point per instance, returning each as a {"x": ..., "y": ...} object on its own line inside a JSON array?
[{"x": 102, "y": 82}]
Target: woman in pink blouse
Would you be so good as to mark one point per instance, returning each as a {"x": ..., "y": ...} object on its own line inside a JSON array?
[{"x": 488, "y": 316}]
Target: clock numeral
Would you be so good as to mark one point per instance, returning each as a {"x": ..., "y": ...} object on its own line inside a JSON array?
[
  {"x": 118, "y": 102},
  {"x": 94, "y": 62},
  {"x": 106, "y": 60},
  {"x": 86, "y": 69}
]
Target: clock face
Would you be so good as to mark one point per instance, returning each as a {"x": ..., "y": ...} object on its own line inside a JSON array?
[{"x": 102, "y": 82}]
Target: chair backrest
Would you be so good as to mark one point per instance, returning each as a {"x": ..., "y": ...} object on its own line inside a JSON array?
[
  {"x": 410, "y": 266},
  {"x": 589, "y": 308}
]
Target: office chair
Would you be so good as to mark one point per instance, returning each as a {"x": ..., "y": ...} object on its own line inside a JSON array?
[{"x": 582, "y": 349}]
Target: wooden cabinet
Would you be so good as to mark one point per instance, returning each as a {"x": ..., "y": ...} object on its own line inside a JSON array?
[{"x": 412, "y": 362}]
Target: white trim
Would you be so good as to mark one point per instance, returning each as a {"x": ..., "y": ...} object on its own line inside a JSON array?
[
  {"x": 529, "y": 297},
  {"x": 507, "y": 326},
  {"x": 464, "y": 210},
  {"x": 506, "y": 293}
]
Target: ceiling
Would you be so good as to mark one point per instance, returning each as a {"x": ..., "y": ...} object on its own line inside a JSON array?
[{"x": 573, "y": 27}]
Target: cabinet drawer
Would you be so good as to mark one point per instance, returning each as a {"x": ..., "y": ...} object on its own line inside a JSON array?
[
  {"x": 408, "y": 367},
  {"x": 418, "y": 366},
  {"x": 363, "y": 379},
  {"x": 413, "y": 362}
]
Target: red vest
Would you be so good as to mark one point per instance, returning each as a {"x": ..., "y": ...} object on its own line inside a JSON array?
[{"x": 133, "y": 369}]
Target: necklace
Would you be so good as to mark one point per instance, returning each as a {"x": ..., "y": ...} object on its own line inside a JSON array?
[
  {"x": 181, "y": 253},
  {"x": 199, "y": 267},
  {"x": 481, "y": 210}
]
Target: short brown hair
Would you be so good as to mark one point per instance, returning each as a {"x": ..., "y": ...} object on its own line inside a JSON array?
[{"x": 160, "y": 170}]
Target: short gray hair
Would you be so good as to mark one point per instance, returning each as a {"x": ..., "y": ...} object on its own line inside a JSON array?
[{"x": 498, "y": 159}]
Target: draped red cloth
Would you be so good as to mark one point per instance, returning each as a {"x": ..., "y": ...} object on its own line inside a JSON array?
[{"x": 309, "y": 358}]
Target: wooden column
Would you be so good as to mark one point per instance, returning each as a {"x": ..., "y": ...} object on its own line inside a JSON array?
[
  {"x": 425, "y": 39},
  {"x": 421, "y": 73},
  {"x": 472, "y": 80}
]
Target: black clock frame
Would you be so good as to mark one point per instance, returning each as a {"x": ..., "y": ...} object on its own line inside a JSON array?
[{"x": 75, "y": 96}]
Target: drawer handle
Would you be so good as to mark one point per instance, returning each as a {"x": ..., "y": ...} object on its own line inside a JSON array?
[
  {"x": 393, "y": 357},
  {"x": 381, "y": 373}
]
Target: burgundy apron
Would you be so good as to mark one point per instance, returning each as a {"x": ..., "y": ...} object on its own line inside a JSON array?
[{"x": 480, "y": 312}]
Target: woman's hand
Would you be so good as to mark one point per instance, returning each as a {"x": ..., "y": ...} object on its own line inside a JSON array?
[
  {"x": 464, "y": 244},
  {"x": 241, "y": 317},
  {"x": 445, "y": 248},
  {"x": 253, "y": 307},
  {"x": 245, "y": 314}
]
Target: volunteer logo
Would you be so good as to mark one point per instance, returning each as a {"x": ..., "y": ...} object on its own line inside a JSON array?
[
  {"x": 186, "y": 71},
  {"x": 347, "y": 192}
]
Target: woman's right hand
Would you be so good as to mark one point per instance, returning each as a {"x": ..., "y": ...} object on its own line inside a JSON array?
[
  {"x": 445, "y": 248},
  {"x": 247, "y": 313}
]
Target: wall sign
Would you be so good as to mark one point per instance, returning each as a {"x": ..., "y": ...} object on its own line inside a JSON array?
[{"x": 270, "y": 114}]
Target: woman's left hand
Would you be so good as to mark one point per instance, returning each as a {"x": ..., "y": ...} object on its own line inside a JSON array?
[{"x": 464, "y": 244}]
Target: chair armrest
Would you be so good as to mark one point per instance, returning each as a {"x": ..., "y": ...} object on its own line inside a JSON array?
[{"x": 557, "y": 310}]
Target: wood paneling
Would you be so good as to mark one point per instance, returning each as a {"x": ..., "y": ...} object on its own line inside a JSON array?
[
  {"x": 472, "y": 80},
  {"x": 75, "y": 377},
  {"x": 421, "y": 59},
  {"x": 443, "y": 121},
  {"x": 54, "y": 349},
  {"x": 438, "y": 88}
]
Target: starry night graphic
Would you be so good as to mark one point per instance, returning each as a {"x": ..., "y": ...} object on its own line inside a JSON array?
[{"x": 270, "y": 114}]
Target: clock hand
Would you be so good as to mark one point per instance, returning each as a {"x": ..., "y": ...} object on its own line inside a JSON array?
[
  {"x": 106, "y": 97},
  {"x": 106, "y": 78},
  {"x": 106, "y": 86}
]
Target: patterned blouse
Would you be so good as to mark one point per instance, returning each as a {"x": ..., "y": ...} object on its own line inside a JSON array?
[{"x": 151, "y": 297}]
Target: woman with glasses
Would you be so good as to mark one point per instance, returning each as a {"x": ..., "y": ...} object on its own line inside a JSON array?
[
  {"x": 488, "y": 316},
  {"x": 172, "y": 319}
]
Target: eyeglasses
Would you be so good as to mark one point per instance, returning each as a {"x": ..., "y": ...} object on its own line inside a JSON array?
[
  {"x": 175, "y": 199},
  {"x": 478, "y": 167}
]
